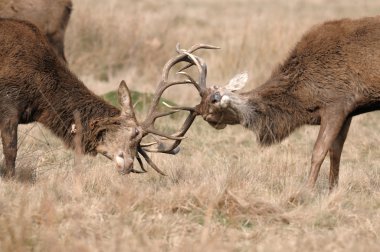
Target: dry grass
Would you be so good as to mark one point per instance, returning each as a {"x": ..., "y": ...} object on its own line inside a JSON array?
[{"x": 223, "y": 192}]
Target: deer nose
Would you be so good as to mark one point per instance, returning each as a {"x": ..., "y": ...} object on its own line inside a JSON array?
[{"x": 124, "y": 164}]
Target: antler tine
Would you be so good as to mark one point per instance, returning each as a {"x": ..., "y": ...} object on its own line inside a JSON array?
[
  {"x": 202, "y": 68},
  {"x": 190, "y": 109},
  {"x": 152, "y": 114},
  {"x": 172, "y": 62},
  {"x": 149, "y": 161},
  {"x": 168, "y": 148},
  {"x": 191, "y": 80},
  {"x": 147, "y": 144},
  {"x": 201, "y": 46},
  {"x": 158, "y": 115},
  {"x": 182, "y": 57},
  {"x": 186, "y": 67},
  {"x": 140, "y": 162},
  {"x": 158, "y": 133},
  {"x": 202, "y": 77},
  {"x": 188, "y": 77}
]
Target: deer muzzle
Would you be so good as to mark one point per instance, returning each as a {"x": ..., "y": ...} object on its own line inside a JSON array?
[{"x": 124, "y": 164}]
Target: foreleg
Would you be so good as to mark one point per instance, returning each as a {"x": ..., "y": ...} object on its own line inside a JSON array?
[
  {"x": 331, "y": 125},
  {"x": 335, "y": 153},
  {"x": 9, "y": 141}
]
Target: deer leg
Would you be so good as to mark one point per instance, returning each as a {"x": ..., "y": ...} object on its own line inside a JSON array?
[
  {"x": 335, "y": 153},
  {"x": 9, "y": 141},
  {"x": 331, "y": 124}
]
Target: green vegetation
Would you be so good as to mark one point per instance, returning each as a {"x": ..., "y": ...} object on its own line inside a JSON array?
[{"x": 142, "y": 101}]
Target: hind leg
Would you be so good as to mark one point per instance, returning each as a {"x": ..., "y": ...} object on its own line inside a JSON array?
[
  {"x": 9, "y": 141},
  {"x": 335, "y": 153}
]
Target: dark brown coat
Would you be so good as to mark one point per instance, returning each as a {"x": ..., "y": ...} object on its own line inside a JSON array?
[
  {"x": 36, "y": 86},
  {"x": 331, "y": 75}
]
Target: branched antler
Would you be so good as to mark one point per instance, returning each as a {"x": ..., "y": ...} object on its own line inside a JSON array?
[{"x": 162, "y": 145}]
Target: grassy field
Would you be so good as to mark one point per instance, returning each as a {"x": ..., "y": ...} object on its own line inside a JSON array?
[{"x": 223, "y": 192}]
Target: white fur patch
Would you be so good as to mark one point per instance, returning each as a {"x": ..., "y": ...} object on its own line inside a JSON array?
[
  {"x": 225, "y": 101},
  {"x": 119, "y": 161},
  {"x": 73, "y": 129}
]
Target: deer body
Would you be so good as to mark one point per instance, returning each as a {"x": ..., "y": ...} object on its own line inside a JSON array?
[
  {"x": 50, "y": 16},
  {"x": 36, "y": 86},
  {"x": 332, "y": 74}
]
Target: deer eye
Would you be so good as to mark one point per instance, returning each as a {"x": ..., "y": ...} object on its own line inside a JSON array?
[{"x": 216, "y": 97}]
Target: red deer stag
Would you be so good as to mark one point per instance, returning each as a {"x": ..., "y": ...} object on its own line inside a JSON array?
[
  {"x": 330, "y": 76},
  {"x": 36, "y": 86},
  {"x": 50, "y": 16}
]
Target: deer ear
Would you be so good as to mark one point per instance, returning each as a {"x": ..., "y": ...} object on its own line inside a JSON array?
[
  {"x": 125, "y": 99},
  {"x": 237, "y": 82}
]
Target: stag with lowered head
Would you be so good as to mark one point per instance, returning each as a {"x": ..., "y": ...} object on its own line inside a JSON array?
[
  {"x": 36, "y": 86},
  {"x": 330, "y": 76}
]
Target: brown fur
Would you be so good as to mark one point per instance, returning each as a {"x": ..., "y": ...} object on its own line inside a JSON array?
[
  {"x": 36, "y": 86},
  {"x": 331, "y": 75},
  {"x": 50, "y": 16}
]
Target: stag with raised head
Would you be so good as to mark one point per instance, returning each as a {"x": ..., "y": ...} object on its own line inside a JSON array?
[
  {"x": 331, "y": 75},
  {"x": 36, "y": 86},
  {"x": 50, "y": 16}
]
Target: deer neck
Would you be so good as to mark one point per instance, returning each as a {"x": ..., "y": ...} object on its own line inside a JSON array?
[
  {"x": 272, "y": 112},
  {"x": 242, "y": 109},
  {"x": 73, "y": 97}
]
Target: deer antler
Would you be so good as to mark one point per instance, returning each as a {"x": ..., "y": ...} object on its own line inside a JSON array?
[{"x": 153, "y": 114}]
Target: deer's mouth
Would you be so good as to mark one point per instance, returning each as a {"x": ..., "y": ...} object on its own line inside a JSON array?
[
  {"x": 216, "y": 118},
  {"x": 218, "y": 126}
]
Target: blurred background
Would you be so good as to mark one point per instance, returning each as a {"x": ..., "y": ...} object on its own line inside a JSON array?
[{"x": 107, "y": 41}]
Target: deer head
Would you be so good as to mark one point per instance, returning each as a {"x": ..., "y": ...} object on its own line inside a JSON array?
[
  {"x": 219, "y": 105},
  {"x": 119, "y": 137},
  {"x": 124, "y": 142},
  {"x": 222, "y": 105}
]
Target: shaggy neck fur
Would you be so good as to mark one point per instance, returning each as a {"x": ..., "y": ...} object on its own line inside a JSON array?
[{"x": 271, "y": 111}]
